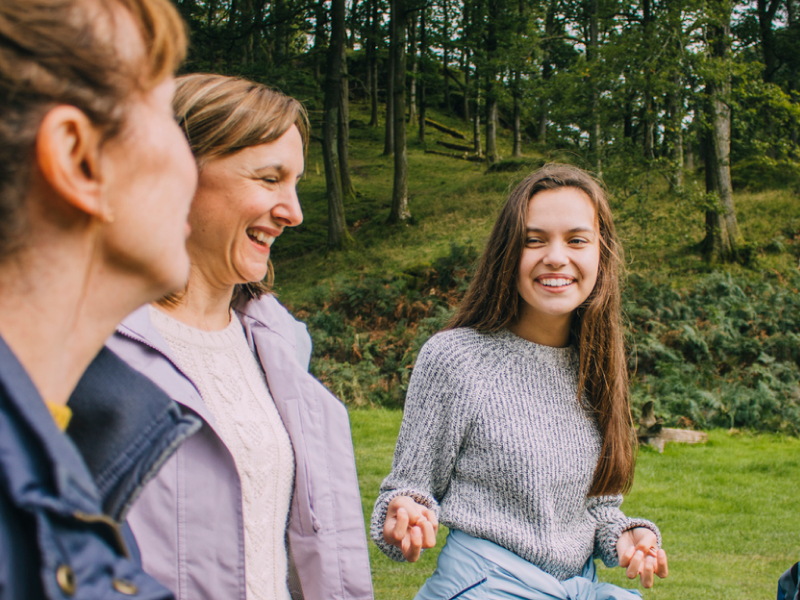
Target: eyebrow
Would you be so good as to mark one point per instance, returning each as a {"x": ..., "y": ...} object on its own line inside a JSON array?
[
  {"x": 573, "y": 230},
  {"x": 277, "y": 167}
]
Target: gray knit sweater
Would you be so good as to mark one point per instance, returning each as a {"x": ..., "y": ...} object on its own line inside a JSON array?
[{"x": 494, "y": 439}]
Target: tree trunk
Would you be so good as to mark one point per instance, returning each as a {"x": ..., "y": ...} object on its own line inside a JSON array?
[
  {"x": 337, "y": 230},
  {"x": 517, "y": 150},
  {"x": 423, "y": 53},
  {"x": 412, "y": 91},
  {"x": 399, "y": 210},
  {"x": 547, "y": 69},
  {"x": 593, "y": 59},
  {"x": 491, "y": 123},
  {"x": 372, "y": 62},
  {"x": 476, "y": 120},
  {"x": 648, "y": 116},
  {"x": 445, "y": 55},
  {"x": 723, "y": 238},
  {"x": 466, "y": 84},
  {"x": 348, "y": 189},
  {"x": 491, "y": 84},
  {"x": 388, "y": 139},
  {"x": 320, "y": 35}
]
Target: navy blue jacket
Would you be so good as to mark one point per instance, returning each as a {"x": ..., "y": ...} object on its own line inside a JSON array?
[{"x": 60, "y": 533}]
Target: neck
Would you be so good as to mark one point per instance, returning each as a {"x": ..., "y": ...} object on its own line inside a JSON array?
[
  {"x": 58, "y": 305},
  {"x": 550, "y": 331},
  {"x": 203, "y": 305}
]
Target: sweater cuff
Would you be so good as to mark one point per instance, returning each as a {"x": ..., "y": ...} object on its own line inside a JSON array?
[
  {"x": 607, "y": 550},
  {"x": 379, "y": 518}
]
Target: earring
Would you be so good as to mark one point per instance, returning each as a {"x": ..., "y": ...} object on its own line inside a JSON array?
[{"x": 107, "y": 217}]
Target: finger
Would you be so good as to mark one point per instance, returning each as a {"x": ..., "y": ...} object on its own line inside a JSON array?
[
  {"x": 646, "y": 574},
  {"x": 434, "y": 520},
  {"x": 428, "y": 534},
  {"x": 662, "y": 570},
  {"x": 400, "y": 525},
  {"x": 412, "y": 545},
  {"x": 635, "y": 564},
  {"x": 626, "y": 556}
]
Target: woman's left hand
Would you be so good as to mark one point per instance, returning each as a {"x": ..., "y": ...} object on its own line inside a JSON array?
[{"x": 638, "y": 550}]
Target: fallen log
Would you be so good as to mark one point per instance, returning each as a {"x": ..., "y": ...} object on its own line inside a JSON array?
[
  {"x": 452, "y": 146},
  {"x": 445, "y": 129},
  {"x": 652, "y": 433},
  {"x": 465, "y": 156}
]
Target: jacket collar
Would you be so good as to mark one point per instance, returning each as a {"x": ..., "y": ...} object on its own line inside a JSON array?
[
  {"x": 38, "y": 462},
  {"x": 140, "y": 328},
  {"x": 126, "y": 427}
]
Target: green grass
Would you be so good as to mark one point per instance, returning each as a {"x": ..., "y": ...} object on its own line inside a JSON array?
[{"x": 727, "y": 512}]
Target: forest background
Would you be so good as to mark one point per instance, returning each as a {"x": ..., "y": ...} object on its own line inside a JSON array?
[{"x": 426, "y": 112}]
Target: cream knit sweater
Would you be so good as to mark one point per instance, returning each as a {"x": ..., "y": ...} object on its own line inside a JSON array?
[{"x": 233, "y": 386}]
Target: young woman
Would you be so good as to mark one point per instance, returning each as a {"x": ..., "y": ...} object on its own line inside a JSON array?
[
  {"x": 270, "y": 479},
  {"x": 95, "y": 185},
  {"x": 517, "y": 428}
]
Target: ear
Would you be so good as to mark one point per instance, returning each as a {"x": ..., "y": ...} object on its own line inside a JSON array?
[{"x": 67, "y": 154}]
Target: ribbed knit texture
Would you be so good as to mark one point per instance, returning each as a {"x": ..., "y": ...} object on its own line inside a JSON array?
[
  {"x": 494, "y": 439},
  {"x": 233, "y": 386}
]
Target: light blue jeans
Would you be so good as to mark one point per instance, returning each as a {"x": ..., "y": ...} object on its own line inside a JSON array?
[{"x": 470, "y": 568}]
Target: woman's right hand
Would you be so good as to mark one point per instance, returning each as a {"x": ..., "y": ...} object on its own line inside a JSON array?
[{"x": 410, "y": 526}]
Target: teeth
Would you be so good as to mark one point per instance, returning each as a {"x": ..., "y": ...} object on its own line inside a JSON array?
[
  {"x": 261, "y": 236},
  {"x": 556, "y": 282}
]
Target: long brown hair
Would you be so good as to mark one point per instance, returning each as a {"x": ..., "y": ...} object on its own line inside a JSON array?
[
  {"x": 222, "y": 115},
  {"x": 492, "y": 302}
]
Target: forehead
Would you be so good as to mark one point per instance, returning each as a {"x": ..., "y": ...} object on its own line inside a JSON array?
[{"x": 562, "y": 208}]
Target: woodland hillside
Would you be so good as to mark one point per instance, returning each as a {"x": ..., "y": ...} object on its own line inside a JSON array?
[{"x": 425, "y": 113}]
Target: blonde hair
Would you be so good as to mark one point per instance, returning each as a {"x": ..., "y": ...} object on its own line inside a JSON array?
[
  {"x": 222, "y": 115},
  {"x": 55, "y": 52}
]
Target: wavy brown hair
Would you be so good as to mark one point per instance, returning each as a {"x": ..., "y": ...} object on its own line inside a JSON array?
[
  {"x": 492, "y": 302},
  {"x": 222, "y": 115}
]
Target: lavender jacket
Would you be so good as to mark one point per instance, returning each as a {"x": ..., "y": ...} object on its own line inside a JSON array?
[{"x": 188, "y": 522}]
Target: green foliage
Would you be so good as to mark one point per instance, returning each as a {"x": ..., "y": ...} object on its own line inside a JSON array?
[
  {"x": 368, "y": 331},
  {"x": 723, "y": 353}
]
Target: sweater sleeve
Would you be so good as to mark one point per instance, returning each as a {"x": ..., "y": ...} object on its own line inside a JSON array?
[
  {"x": 611, "y": 523},
  {"x": 436, "y": 419}
]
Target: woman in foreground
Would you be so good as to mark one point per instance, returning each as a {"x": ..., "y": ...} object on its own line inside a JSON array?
[
  {"x": 517, "y": 428},
  {"x": 95, "y": 186},
  {"x": 213, "y": 524}
]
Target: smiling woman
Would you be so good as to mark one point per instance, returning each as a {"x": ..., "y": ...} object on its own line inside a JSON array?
[
  {"x": 516, "y": 431},
  {"x": 264, "y": 501}
]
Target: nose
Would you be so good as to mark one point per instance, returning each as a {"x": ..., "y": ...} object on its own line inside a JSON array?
[
  {"x": 556, "y": 255},
  {"x": 288, "y": 210}
]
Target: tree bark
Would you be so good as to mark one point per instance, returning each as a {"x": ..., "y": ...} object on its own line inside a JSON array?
[
  {"x": 517, "y": 149},
  {"x": 423, "y": 53},
  {"x": 476, "y": 120},
  {"x": 723, "y": 238},
  {"x": 593, "y": 59},
  {"x": 491, "y": 84},
  {"x": 372, "y": 62},
  {"x": 445, "y": 53},
  {"x": 348, "y": 189},
  {"x": 337, "y": 229},
  {"x": 399, "y": 212},
  {"x": 388, "y": 138},
  {"x": 412, "y": 91}
]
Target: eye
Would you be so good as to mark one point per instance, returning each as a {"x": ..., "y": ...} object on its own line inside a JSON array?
[
  {"x": 533, "y": 240},
  {"x": 270, "y": 180}
]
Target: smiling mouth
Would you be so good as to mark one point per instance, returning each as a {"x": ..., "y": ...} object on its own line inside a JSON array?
[
  {"x": 261, "y": 238},
  {"x": 556, "y": 282}
]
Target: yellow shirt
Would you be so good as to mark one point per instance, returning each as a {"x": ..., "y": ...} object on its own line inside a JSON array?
[{"x": 61, "y": 414}]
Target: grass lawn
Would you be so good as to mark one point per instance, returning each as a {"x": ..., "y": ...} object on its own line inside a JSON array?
[{"x": 727, "y": 511}]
